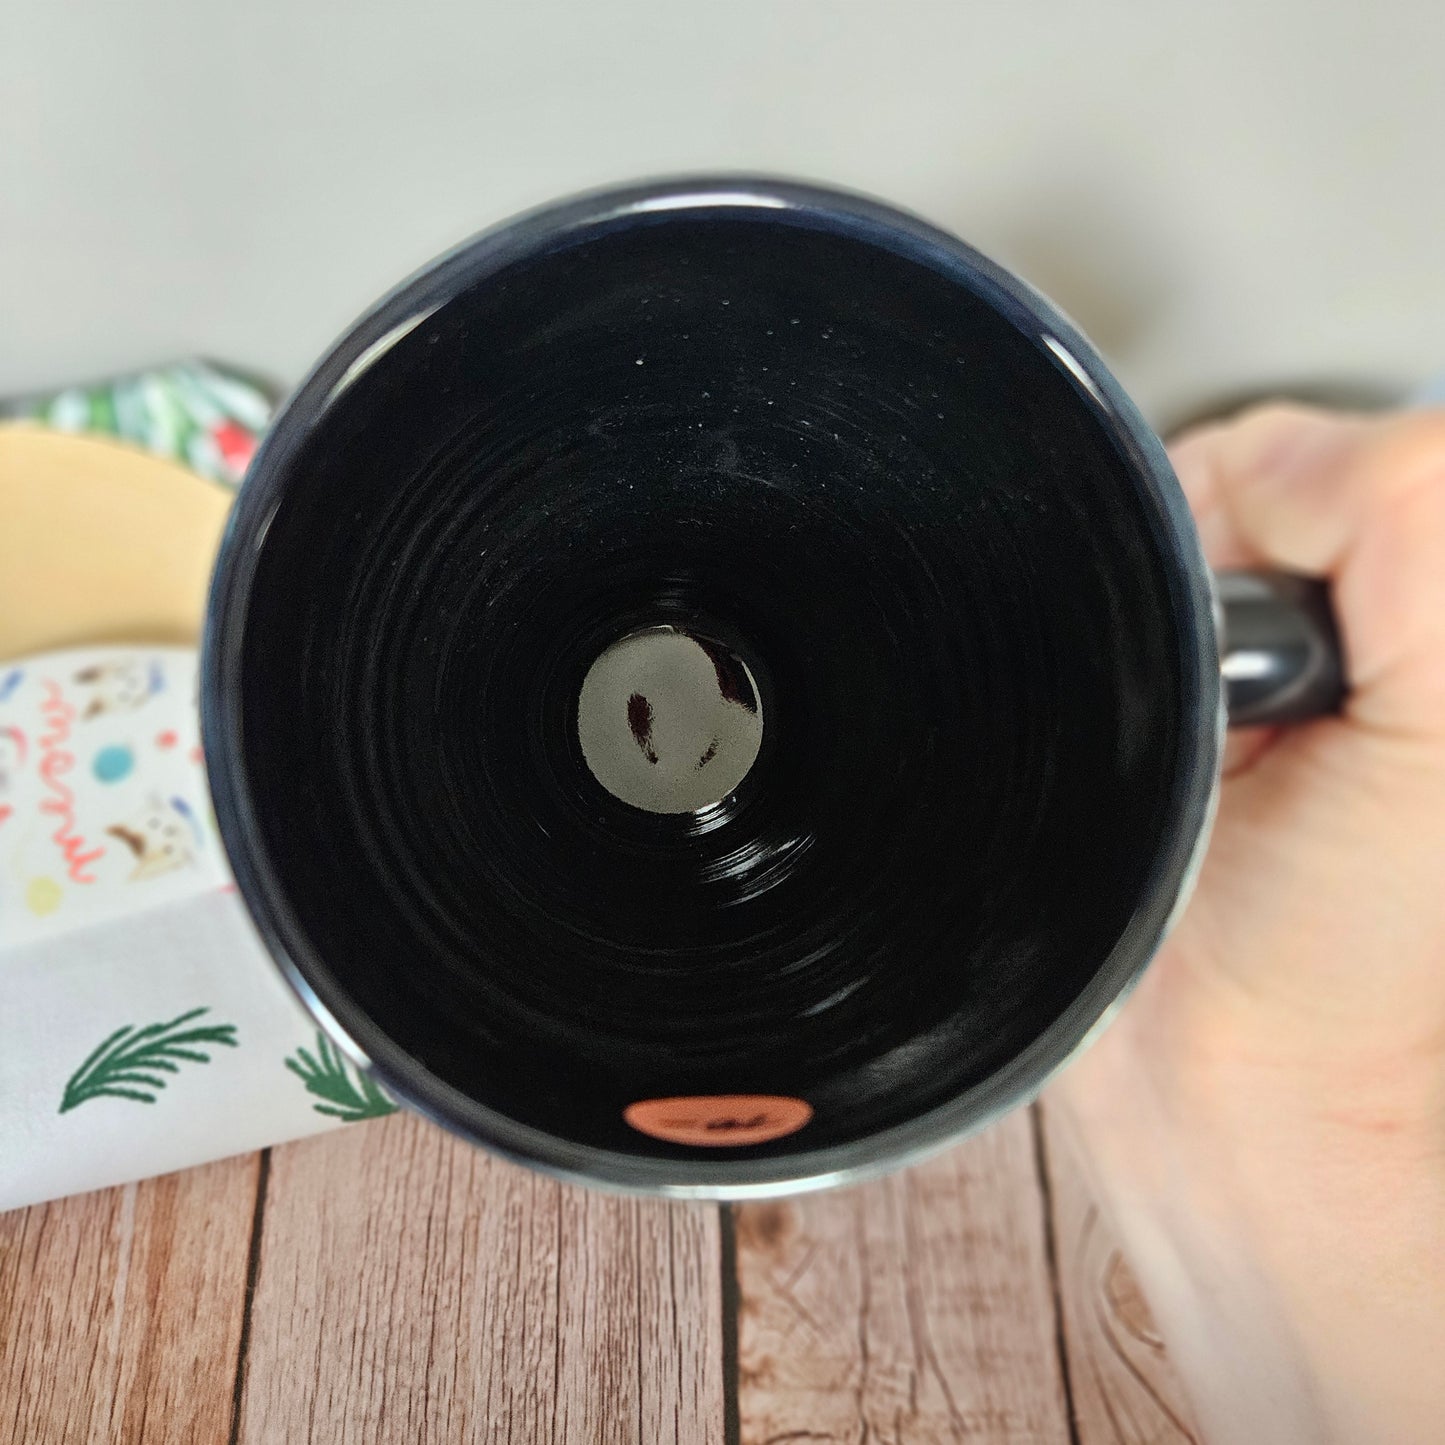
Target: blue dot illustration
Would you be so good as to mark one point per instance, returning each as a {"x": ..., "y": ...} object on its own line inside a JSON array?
[{"x": 113, "y": 764}]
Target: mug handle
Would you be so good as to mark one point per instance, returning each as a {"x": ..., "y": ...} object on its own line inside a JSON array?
[{"x": 1281, "y": 657}]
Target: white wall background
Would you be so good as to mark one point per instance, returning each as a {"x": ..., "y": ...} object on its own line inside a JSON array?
[{"x": 1224, "y": 194}]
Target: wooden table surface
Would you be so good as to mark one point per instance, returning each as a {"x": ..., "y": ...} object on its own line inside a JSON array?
[{"x": 388, "y": 1283}]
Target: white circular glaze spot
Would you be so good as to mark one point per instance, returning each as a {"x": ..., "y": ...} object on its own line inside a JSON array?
[{"x": 669, "y": 723}]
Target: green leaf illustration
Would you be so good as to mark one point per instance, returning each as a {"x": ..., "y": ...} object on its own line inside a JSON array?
[
  {"x": 132, "y": 1062},
  {"x": 349, "y": 1094}
]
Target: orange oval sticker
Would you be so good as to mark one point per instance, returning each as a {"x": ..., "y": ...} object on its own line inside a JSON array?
[{"x": 719, "y": 1120}]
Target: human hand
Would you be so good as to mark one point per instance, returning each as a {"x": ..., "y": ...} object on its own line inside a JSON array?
[{"x": 1266, "y": 1117}]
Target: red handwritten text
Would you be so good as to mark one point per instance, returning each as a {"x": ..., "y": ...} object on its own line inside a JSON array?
[{"x": 55, "y": 761}]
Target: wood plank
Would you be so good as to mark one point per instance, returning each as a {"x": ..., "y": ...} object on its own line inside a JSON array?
[
  {"x": 915, "y": 1309},
  {"x": 121, "y": 1310},
  {"x": 1125, "y": 1391},
  {"x": 411, "y": 1287}
]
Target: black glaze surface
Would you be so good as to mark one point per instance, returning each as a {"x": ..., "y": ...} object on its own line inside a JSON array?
[{"x": 944, "y": 572}]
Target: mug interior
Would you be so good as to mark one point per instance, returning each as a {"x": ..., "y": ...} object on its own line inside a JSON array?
[{"x": 810, "y": 450}]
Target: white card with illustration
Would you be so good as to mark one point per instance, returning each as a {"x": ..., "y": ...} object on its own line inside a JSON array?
[
  {"x": 145, "y": 1029},
  {"x": 104, "y": 808}
]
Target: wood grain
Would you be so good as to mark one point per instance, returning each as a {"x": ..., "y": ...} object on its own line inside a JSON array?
[
  {"x": 410, "y": 1288},
  {"x": 1125, "y": 1392},
  {"x": 414, "y": 1289},
  {"x": 120, "y": 1311},
  {"x": 915, "y": 1309}
]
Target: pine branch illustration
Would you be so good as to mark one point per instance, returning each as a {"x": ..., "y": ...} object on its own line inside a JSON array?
[
  {"x": 131, "y": 1062},
  {"x": 348, "y": 1095}
]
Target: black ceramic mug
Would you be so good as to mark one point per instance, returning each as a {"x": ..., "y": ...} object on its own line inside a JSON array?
[{"x": 712, "y": 688}]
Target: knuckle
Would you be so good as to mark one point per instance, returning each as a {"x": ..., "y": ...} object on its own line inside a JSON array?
[
  {"x": 1412, "y": 446},
  {"x": 1275, "y": 415}
]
